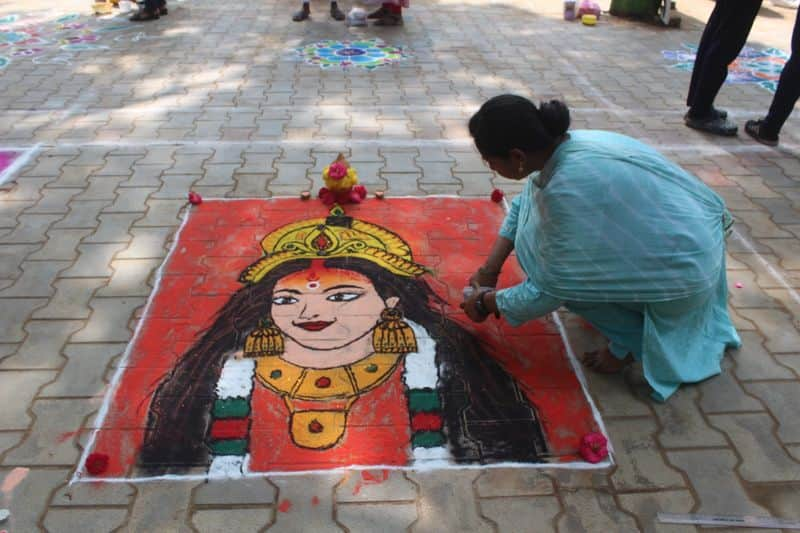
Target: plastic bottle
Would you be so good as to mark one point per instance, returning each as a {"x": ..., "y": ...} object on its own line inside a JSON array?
[{"x": 569, "y": 9}]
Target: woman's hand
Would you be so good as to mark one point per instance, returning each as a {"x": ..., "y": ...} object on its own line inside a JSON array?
[
  {"x": 469, "y": 307},
  {"x": 475, "y": 306}
]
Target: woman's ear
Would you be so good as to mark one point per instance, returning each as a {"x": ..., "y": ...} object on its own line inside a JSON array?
[
  {"x": 518, "y": 160},
  {"x": 517, "y": 156},
  {"x": 392, "y": 301}
]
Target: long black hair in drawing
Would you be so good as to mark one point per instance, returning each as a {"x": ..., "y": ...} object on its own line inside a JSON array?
[{"x": 487, "y": 418}]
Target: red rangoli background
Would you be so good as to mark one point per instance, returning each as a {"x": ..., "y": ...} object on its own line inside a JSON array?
[{"x": 221, "y": 238}]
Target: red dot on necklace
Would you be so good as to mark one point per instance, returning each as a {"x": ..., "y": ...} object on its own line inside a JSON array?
[{"x": 323, "y": 383}]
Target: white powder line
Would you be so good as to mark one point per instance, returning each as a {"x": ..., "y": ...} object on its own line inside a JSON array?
[
  {"x": 582, "y": 80},
  {"x": 465, "y": 110},
  {"x": 774, "y": 272},
  {"x": 122, "y": 366},
  {"x": 578, "y": 369},
  {"x": 332, "y": 142},
  {"x": 21, "y": 161},
  {"x": 80, "y": 477},
  {"x": 336, "y": 143},
  {"x": 349, "y": 468}
]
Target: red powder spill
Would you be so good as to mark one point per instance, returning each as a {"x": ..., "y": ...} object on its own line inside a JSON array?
[
  {"x": 371, "y": 479},
  {"x": 314, "y": 501},
  {"x": 66, "y": 436},
  {"x": 284, "y": 506}
]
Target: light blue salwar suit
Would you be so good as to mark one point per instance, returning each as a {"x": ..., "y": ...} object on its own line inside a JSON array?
[{"x": 632, "y": 243}]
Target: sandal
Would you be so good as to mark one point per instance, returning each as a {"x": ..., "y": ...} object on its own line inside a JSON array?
[
  {"x": 711, "y": 124},
  {"x": 719, "y": 113},
  {"x": 390, "y": 19},
  {"x": 755, "y": 129},
  {"x": 303, "y": 14},
  {"x": 378, "y": 13},
  {"x": 144, "y": 15},
  {"x": 336, "y": 13}
]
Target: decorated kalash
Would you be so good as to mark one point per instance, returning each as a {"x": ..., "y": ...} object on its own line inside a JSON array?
[
  {"x": 336, "y": 352},
  {"x": 341, "y": 184}
]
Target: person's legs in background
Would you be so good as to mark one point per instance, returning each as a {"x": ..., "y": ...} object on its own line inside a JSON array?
[
  {"x": 389, "y": 14},
  {"x": 392, "y": 16},
  {"x": 150, "y": 10},
  {"x": 766, "y": 130},
  {"x": 380, "y": 12},
  {"x": 305, "y": 12},
  {"x": 723, "y": 39}
]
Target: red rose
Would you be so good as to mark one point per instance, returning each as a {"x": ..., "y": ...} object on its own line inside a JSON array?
[
  {"x": 337, "y": 171},
  {"x": 594, "y": 447},
  {"x": 497, "y": 196},
  {"x": 195, "y": 199},
  {"x": 96, "y": 463}
]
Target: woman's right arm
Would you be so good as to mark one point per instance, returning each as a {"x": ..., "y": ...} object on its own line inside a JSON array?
[
  {"x": 521, "y": 303},
  {"x": 487, "y": 274}
]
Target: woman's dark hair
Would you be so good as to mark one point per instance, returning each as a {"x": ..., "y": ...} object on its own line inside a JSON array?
[
  {"x": 509, "y": 121},
  {"x": 480, "y": 398}
]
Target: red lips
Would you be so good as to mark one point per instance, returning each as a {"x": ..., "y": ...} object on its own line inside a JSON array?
[{"x": 314, "y": 326}]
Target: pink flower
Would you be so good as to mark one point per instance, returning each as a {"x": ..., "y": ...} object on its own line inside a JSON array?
[
  {"x": 594, "y": 447},
  {"x": 337, "y": 171}
]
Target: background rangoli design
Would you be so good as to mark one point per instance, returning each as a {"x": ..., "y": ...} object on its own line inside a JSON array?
[
  {"x": 762, "y": 67},
  {"x": 8, "y": 158},
  {"x": 367, "y": 53},
  {"x": 282, "y": 337},
  {"x": 57, "y": 40}
]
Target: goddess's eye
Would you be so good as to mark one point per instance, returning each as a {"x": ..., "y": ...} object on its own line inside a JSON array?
[
  {"x": 284, "y": 300},
  {"x": 343, "y": 297}
]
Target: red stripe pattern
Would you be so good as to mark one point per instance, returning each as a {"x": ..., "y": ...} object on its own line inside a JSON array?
[
  {"x": 230, "y": 428},
  {"x": 426, "y": 422}
]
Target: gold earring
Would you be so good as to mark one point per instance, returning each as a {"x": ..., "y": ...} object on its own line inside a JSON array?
[
  {"x": 392, "y": 334},
  {"x": 266, "y": 339}
]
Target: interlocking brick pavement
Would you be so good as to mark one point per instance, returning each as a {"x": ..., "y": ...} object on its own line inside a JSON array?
[{"x": 211, "y": 97}]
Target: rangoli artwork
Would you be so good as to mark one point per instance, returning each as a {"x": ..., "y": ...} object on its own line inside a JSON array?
[
  {"x": 762, "y": 67},
  {"x": 283, "y": 337},
  {"x": 9, "y": 159},
  {"x": 367, "y": 53},
  {"x": 57, "y": 40}
]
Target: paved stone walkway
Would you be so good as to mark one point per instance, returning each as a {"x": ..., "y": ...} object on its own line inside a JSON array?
[{"x": 209, "y": 98}]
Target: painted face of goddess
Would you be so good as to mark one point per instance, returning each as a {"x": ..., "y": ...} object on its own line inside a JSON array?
[{"x": 326, "y": 308}]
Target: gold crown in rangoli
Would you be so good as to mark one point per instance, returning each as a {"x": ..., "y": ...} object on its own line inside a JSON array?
[{"x": 335, "y": 236}]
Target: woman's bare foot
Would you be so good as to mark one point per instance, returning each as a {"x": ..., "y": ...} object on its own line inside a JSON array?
[{"x": 604, "y": 362}]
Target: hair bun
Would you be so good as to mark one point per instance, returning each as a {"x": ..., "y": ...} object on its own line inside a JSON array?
[{"x": 555, "y": 117}]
